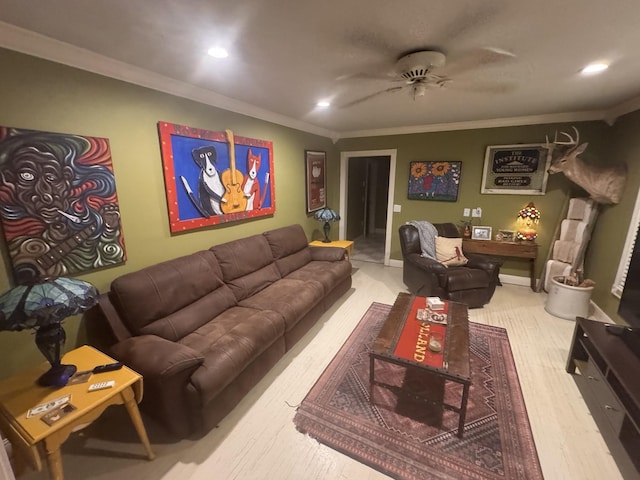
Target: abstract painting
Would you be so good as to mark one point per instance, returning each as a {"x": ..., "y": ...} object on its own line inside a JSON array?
[
  {"x": 215, "y": 177},
  {"x": 434, "y": 181},
  {"x": 58, "y": 204}
]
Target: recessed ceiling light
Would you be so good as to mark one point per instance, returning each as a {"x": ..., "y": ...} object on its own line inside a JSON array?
[
  {"x": 594, "y": 68},
  {"x": 218, "y": 52},
  {"x": 323, "y": 104}
]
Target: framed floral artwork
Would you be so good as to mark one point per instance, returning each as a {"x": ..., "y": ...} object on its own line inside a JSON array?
[{"x": 437, "y": 181}]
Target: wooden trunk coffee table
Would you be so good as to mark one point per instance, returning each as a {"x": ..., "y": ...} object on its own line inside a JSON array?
[{"x": 404, "y": 340}]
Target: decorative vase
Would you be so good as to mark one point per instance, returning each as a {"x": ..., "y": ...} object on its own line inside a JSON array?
[{"x": 466, "y": 231}]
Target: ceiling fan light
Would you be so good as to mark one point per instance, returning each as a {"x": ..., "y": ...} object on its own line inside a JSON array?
[
  {"x": 218, "y": 52},
  {"x": 419, "y": 90},
  {"x": 593, "y": 68}
]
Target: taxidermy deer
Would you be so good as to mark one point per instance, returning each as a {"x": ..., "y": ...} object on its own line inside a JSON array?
[{"x": 604, "y": 184}]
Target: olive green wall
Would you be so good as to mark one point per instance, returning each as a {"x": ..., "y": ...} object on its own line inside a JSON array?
[
  {"x": 41, "y": 95},
  {"x": 468, "y": 146},
  {"x": 608, "y": 240}
]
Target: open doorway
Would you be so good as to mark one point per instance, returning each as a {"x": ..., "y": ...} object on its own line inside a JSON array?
[{"x": 366, "y": 202}]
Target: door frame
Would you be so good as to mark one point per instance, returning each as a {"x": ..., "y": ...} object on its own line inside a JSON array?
[{"x": 344, "y": 174}]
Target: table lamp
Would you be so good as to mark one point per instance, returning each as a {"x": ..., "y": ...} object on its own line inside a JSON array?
[
  {"x": 528, "y": 216},
  {"x": 326, "y": 215},
  {"x": 43, "y": 306}
]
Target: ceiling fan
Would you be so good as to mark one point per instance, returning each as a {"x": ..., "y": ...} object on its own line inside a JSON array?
[{"x": 422, "y": 70}]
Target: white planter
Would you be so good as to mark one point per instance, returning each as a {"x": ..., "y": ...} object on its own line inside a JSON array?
[{"x": 568, "y": 302}]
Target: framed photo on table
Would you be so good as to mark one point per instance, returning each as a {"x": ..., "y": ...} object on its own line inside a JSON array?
[
  {"x": 516, "y": 169},
  {"x": 480, "y": 233},
  {"x": 316, "y": 180}
]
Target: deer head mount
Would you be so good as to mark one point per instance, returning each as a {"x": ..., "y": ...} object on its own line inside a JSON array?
[{"x": 604, "y": 184}]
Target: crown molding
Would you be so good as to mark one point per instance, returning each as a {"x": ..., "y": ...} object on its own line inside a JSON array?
[
  {"x": 478, "y": 124},
  {"x": 622, "y": 109},
  {"x": 34, "y": 44}
]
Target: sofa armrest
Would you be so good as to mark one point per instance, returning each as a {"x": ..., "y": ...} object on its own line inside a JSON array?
[
  {"x": 328, "y": 254},
  {"x": 154, "y": 357}
]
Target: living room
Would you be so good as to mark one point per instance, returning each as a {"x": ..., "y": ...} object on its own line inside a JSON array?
[{"x": 39, "y": 94}]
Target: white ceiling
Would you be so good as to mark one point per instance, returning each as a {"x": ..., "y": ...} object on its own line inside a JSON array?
[{"x": 285, "y": 55}]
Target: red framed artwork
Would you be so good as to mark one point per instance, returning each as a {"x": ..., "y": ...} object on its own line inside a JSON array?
[
  {"x": 215, "y": 177},
  {"x": 316, "y": 180}
]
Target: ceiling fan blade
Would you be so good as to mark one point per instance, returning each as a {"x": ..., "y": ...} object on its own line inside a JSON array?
[
  {"x": 372, "y": 95},
  {"x": 483, "y": 87},
  {"x": 474, "y": 59}
]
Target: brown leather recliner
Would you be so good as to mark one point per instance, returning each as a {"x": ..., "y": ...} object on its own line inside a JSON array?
[{"x": 472, "y": 284}]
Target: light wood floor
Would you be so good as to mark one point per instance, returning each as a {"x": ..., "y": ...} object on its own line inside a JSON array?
[{"x": 259, "y": 441}]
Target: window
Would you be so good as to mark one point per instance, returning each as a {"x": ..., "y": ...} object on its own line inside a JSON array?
[{"x": 625, "y": 259}]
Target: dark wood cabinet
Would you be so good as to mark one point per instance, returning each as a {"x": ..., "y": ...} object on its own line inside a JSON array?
[{"x": 608, "y": 376}]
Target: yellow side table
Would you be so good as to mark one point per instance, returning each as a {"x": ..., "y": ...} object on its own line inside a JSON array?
[
  {"x": 20, "y": 393},
  {"x": 346, "y": 244}
]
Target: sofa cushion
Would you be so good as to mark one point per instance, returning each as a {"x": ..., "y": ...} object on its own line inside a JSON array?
[
  {"x": 184, "y": 321},
  {"x": 229, "y": 343},
  {"x": 247, "y": 265},
  {"x": 328, "y": 274},
  {"x": 155, "y": 292},
  {"x": 292, "y": 299},
  {"x": 289, "y": 247}
]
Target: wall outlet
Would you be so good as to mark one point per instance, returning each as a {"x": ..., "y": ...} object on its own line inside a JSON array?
[
  {"x": 397, "y": 208},
  {"x": 466, "y": 212},
  {"x": 476, "y": 212}
]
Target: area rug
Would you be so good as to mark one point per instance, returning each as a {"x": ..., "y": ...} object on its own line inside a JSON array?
[{"x": 408, "y": 440}]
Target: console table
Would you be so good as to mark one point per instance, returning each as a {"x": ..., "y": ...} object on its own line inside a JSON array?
[
  {"x": 506, "y": 249},
  {"x": 609, "y": 384}
]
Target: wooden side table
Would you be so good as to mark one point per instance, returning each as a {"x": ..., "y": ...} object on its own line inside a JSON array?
[
  {"x": 346, "y": 244},
  {"x": 20, "y": 393},
  {"x": 506, "y": 249}
]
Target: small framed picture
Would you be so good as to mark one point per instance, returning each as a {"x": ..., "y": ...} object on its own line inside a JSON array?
[
  {"x": 481, "y": 233},
  {"x": 507, "y": 235}
]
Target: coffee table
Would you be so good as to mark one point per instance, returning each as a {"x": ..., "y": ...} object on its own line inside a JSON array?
[{"x": 403, "y": 340}]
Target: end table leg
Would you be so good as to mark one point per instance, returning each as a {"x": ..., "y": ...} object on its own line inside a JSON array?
[
  {"x": 132, "y": 407},
  {"x": 54, "y": 462}
]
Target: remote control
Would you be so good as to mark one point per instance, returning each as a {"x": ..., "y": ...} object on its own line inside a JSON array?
[
  {"x": 107, "y": 368},
  {"x": 101, "y": 385}
]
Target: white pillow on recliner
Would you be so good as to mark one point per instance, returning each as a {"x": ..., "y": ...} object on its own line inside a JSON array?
[{"x": 449, "y": 251}]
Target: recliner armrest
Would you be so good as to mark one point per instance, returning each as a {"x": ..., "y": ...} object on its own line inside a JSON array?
[
  {"x": 484, "y": 262},
  {"x": 155, "y": 357},
  {"x": 427, "y": 264}
]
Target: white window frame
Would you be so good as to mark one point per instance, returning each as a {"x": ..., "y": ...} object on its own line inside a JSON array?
[{"x": 625, "y": 258}]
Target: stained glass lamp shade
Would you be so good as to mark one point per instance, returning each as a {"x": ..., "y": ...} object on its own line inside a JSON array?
[
  {"x": 43, "y": 306},
  {"x": 528, "y": 216},
  {"x": 326, "y": 215}
]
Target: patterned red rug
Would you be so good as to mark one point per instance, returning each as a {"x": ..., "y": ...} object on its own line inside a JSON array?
[{"x": 406, "y": 440}]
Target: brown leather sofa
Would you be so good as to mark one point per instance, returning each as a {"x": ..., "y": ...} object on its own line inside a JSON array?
[
  {"x": 203, "y": 329},
  {"x": 472, "y": 284}
]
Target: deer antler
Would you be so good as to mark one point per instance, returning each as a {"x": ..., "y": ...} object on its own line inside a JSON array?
[{"x": 571, "y": 140}]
